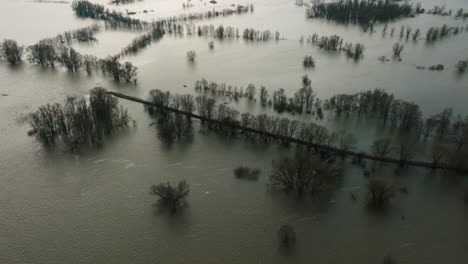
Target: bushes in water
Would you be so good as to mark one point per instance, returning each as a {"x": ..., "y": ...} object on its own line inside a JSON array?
[
  {"x": 462, "y": 66},
  {"x": 173, "y": 197},
  {"x": 379, "y": 193},
  {"x": 303, "y": 174},
  {"x": 362, "y": 12},
  {"x": 287, "y": 236},
  {"x": 155, "y": 34},
  {"x": 78, "y": 121},
  {"x": 112, "y": 66},
  {"x": 308, "y": 62},
  {"x": 336, "y": 43},
  {"x": 243, "y": 172},
  {"x": 42, "y": 53},
  {"x": 191, "y": 55},
  {"x": 70, "y": 59},
  {"x": 11, "y": 51}
]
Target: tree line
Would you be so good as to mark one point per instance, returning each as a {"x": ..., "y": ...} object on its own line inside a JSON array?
[
  {"x": 445, "y": 127},
  {"x": 362, "y": 12},
  {"x": 79, "y": 121},
  {"x": 114, "y": 19},
  {"x": 222, "y": 32},
  {"x": 303, "y": 100},
  {"x": 336, "y": 43},
  {"x": 228, "y": 118}
]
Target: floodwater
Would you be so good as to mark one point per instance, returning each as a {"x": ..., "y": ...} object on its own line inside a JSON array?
[{"x": 94, "y": 206}]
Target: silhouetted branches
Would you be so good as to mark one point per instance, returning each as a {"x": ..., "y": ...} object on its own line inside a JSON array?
[
  {"x": 302, "y": 174},
  {"x": 171, "y": 196}
]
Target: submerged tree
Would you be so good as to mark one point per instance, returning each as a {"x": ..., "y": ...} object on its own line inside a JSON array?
[
  {"x": 171, "y": 196},
  {"x": 397, "y": 49},
  {"x": 379, "y": 193},
  {"x": 191, "y": 55},
  {"x": 287, "y": 236},
  {"x": 70, "y": 59},
  {"x": 303, "y": 174},
  {"x": 79, "y": 121},
  {"x": 382, "y": 148},
  {"x": 243, "y": 172},
  {"x": 11, "y": 51},
  {"x": 308, "y": 62},
  {"x": 42, "y": 53}
]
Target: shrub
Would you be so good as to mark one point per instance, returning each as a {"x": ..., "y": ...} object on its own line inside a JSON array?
[
  {"x": 308, "y": 62},
  {"x": 171, "y": 196},
  {"x": 287, "y": 236},
  {"x": 379, "y": 193},
  {"x": 242, "y": 172}
]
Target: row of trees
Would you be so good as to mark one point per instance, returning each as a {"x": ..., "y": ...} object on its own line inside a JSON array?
[
  {"x": 114, "y": 19},
  {"x": 303, "y": 100},
  {"x": 444, "y": 127},
  {"x": 79, "y": 121},
  {"x": 85, "y": 34},
  {"x": 227, "y": 118},
  {"x": 335, "y": 43},
  {"x": 437, "y": 33},
  {"x": 222, "y": 32},
  {"x": 362, "y": 12},
  {"x": 442, "y": 11},
  {"x": 156, "y": 33},
  {"x": 46, "y": 53}
]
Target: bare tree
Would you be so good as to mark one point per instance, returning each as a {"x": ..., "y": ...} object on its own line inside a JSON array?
[
  {"x": 397, "y": 49},
  {"x": 438, "y": 154},
  {"x": 346, "y": 141},
  {"x": 405, "y": 152},
  {"x": 379, "y": 193},
  {"x": 382, "y": 148},
  {"x": 302, "y": 173},
  {"x": 173, "y": 197},
  {"x": 191, "y": 55}
]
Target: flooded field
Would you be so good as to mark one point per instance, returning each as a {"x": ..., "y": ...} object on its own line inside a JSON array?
[{"x": 94, "y": 206}]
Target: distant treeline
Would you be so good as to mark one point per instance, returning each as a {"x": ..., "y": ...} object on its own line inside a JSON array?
[
  {"x": 303, "y": 100},
  {"x": 362, "y": 12},
  {"x": 79, "y": 121},
  {"x": 85, "y": 34},
  {"x": 156, "y": 33},
  {"x": 116, "y": 19},
  {"x": 113, "y": 19},
  {"x": 441, "y": 11},
  {"x": 117, "y": 2},
  {"x": 335, "y": 43},
  {"x": 222, "y": 32}
]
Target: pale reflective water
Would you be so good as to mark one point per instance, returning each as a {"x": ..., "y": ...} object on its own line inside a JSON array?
[{"x": 94, "y": 206}]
